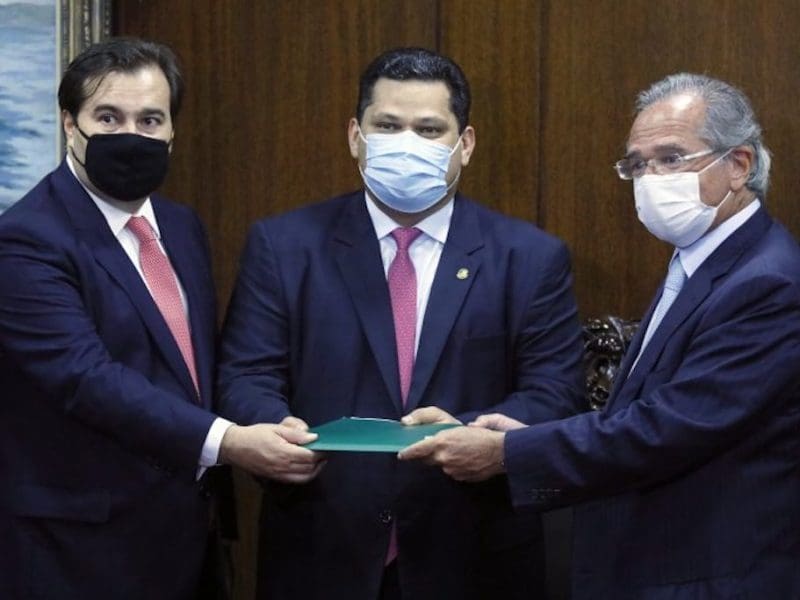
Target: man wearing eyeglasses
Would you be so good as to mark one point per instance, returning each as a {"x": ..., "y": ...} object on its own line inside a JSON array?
[{"x": 688, "y": 484}]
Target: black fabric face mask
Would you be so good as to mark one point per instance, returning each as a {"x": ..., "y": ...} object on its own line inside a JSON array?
[{"x": 125, "y": 166}]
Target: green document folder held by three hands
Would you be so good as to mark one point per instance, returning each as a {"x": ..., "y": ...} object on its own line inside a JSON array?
[{"x": 355, "y": 434}]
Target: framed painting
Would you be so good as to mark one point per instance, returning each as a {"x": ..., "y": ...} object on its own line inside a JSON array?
[{"x": 38, "y": 38}]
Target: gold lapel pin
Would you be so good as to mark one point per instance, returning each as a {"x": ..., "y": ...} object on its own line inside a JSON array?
[{"x": 462, "y": 273}]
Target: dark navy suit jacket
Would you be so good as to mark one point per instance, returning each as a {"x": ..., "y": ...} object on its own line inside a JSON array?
[
  {"x": 690, "y": 480},
  {"x": 100, "y": 427},
  {"x": 309, "y": 332}
]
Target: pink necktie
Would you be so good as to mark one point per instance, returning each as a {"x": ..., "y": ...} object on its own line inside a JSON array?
[
  {"x": 163, "y": 286},
  {"x": 403, "y": 293}
]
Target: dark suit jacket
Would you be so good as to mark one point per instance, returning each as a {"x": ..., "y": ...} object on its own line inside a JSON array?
[
  {"x": 100, "y": 429},
  {"x": 309, "y": 332},
  {"x": 691, "y": 477}
]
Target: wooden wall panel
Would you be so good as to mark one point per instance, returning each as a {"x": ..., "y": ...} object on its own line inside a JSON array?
[
  {"x": 497, "y": 44},
  {"x": 597, "y": 55},
  {"x": 272, "y": 83}
]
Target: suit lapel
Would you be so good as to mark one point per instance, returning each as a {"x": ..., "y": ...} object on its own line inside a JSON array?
[
  {"x": 357, "y": 253},
  {"x": 458, "y": 267},
  {"x": 632, "y": 352},
  {"x": 693, "y": 293},
  {"x": 110, "y": 255},
  {"x": 696, "y": 289}
]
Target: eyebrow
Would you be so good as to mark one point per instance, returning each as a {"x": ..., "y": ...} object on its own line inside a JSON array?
[
  {"x": 431, "y": 121},
  {"x": 385, "y": 116},
  {"x": 116, "y": 109},
  {"x": 661, "y": 149}
]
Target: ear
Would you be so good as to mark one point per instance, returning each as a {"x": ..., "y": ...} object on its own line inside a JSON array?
[
  {"x": 467, "y": 144},
  {"x": 353, "y": 137},
  {"x": 69, "y": 125},
  {"x": 741, "y": 160}
]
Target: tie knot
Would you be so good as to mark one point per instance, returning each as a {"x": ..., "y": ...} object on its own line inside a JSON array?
[
  {"x": 141, "y": 229},
  {"x": 405, "y": 236},
  {"x": 675, "y": 275}
]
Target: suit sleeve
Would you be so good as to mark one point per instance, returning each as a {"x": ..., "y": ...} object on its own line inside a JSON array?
[
  {"x": 738, "y": 372},
  {"x": 254, "y": 366},
  {"x": 546, "y": 367},
  {"x": 48, "y": 335}
]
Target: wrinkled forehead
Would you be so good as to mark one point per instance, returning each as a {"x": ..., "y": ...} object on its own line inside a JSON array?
[{"x": 675, "y": 123}]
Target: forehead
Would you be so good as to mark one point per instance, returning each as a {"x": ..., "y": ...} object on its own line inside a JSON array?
[
  {"x": 145, "y": 88},
  {"x": 411, "y": 99},
  {"x": 673, "y": 122}
]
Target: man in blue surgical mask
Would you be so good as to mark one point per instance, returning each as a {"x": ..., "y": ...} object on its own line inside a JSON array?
[
  {"x": 688, "y": 484},
  {"x": 403, "y": 296}
]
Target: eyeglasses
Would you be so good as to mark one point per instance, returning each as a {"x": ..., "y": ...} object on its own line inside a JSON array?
[{"x": 628, "y": 168}]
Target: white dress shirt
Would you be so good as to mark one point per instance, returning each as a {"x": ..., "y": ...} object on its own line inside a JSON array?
[
  {"x": 425, "y": 251},
  {"x": 694, "y": 255}
]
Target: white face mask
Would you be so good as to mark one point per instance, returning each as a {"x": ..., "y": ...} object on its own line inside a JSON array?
[
  {"x": 405, "y": 171},
  {"x": 670, "y": 206}
]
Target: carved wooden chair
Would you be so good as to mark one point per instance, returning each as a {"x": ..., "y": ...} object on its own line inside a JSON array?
[{"x": 605, "y": 340}]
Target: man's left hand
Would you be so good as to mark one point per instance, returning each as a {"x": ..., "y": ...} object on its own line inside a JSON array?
[
  {"x": 464, "y": 453},
  {"x": 428, "y": 414}
]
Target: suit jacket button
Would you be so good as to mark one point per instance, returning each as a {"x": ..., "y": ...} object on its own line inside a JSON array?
[{"x": 385, "y": 517}]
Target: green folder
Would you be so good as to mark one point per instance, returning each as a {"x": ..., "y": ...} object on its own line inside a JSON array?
[{"x": 356, "y": 434}]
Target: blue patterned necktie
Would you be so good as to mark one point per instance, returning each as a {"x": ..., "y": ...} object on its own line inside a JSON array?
[{"x": 676, "y": 277}]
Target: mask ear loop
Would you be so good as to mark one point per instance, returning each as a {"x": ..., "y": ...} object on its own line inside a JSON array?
[
  {"x": 730, "y": 192},
  {"x": 458, "y": 175}
]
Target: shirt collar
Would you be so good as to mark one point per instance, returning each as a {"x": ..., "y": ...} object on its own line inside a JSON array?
[
  {"x": 695, "y": 254},
  {"x": 113, "y": 212},
  {"x": 436, "y": 225}
]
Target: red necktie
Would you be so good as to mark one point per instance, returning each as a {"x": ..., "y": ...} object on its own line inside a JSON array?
[
  {"x": 403, "y": 293},
  {"x": 163, "y": 286}
]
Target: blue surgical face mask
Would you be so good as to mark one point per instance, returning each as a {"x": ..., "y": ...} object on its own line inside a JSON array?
[{"x": 406, "y": 172}]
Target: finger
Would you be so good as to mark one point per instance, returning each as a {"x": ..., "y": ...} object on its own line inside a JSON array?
[
  {"x": 418, "y": 416},
  {"x": 295, "y": 455},
  {"x": 498, "y": 422},
  {"x": 295, "y": 423},
  {"x": 487, "y": 421},
  {"x": 303, "y": 475},
  {"x": 296, "y": 436},
  {"x": 428, "y": 414},
  {"x": 419, "y": 450}
]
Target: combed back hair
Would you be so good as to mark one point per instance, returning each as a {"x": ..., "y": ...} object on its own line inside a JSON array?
[
  {"x": 729, "y": 119},
  {"x": 118, "y": 55},
  {"x": 409, "y": 64}
]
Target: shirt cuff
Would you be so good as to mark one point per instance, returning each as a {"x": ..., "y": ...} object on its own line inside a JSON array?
[{"x": 210, "y": 452}]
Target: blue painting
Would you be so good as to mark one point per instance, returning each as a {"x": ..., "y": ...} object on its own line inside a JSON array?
[{"x": 29, "y": 124}]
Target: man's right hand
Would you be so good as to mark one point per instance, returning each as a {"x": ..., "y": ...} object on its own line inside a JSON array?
[
  {"x": 269, "y": 450},
  {"x": 497, "y": 422}
]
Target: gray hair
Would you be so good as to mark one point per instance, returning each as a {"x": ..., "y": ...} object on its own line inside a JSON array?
[{"x": 729, "y": 121}]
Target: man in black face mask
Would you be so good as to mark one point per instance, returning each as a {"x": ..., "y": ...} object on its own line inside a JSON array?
[{"x": 107, "y": 327}]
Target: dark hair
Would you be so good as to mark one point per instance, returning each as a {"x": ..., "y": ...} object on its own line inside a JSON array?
[
  {"x": 117, "y": 55},
  {"x": 402, "y": 64}
]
